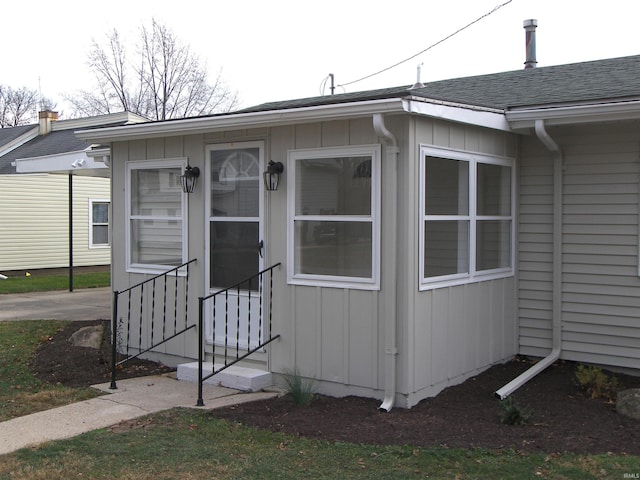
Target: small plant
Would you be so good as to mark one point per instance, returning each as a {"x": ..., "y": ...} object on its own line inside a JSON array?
[
  {"x": 513, "y": 414},
  {"x": 300, "y": 388},
  {"x": 596, "y": 383}
]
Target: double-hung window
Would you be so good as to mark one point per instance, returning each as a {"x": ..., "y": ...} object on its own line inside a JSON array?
[
  {"x": 98, "y": 223},
  {"x": 156, "y": 216},
  {"x": 467, "y": 217},
  {"x": 334, "y": 210}
]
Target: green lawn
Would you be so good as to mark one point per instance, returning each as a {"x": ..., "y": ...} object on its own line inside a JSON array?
[
  {"x": 41, "y": 283},
  {"x": 22, "y": 393},
  {"x": 191, "y": 444}
]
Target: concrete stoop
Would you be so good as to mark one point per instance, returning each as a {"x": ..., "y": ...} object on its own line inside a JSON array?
[{"x": 238, "y": 378}]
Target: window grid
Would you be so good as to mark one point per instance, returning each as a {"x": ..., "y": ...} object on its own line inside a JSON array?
[
  {"x": 337, "y": 216},
  {"x": 474, "y": 219}
]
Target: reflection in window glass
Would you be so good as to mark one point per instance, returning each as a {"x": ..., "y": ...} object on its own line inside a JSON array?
[
  {"x": 333, "y": 248},
  {"x": 446, "y": 248}
]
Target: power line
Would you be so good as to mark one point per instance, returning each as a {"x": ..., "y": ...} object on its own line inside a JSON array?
[{"x": 495, "y": 9}]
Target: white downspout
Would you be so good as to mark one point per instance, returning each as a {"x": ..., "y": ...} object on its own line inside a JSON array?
[
  {"x": 390, "y": 275},
  {"x": 558, "y": 160}
]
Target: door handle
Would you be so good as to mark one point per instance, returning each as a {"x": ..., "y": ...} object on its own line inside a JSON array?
[{"x": 260, "y": 247}]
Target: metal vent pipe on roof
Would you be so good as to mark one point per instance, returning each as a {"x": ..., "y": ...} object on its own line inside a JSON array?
[{"x": 530, "y": 29}]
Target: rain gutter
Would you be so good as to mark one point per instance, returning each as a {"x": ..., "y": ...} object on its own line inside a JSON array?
[
  {"x": 391, "y": 273},
  {"x": 558, "y": 160}
]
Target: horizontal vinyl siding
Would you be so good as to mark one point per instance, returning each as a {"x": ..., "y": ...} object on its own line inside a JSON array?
[
  {"x": 35, "y": 221},
  {"x": 535, "y": 228},
  {"x": 600, "y": 284}
]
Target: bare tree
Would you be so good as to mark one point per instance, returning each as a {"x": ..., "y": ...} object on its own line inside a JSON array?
[
  {"x": 20, "y": 106},
  {"x": 165, "y": 80}
]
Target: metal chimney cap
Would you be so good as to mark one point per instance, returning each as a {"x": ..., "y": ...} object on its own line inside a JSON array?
[{"x": 532, "y": 22}]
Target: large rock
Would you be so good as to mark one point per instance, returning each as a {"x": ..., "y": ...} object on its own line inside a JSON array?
[
  {"x": 88, "y": 337},
  {"x": 628, "y": 403}
]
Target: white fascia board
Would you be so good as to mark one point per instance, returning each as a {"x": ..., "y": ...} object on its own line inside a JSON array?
[
  {"x": 574, "y": 114},
  {"x": 460, "y": 113},
  {"x": 77, "y": 162},
  {"x": 21, "y": 140},
  {"x": 83, "y": 122},
  {"x": 270, "y": 118}
]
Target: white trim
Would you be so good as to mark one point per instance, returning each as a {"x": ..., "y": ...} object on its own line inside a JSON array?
[
  {"x": 91, "y": 224},
  {"x": 208, "y": 219},
  {"x": 179, "y": 162},
  {"x": 374, "y": 151},
  {"x": 574, "y": 114},
  {"x": 77, "y": 162},
  {"x": 473, "y": 275},
  {"x": 241, "y": 121}
]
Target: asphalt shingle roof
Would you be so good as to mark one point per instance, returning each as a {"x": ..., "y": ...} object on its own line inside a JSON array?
[{"x": 615, "y": 78}]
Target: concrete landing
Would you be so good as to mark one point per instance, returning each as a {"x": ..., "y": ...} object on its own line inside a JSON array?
[{"x": 238, "y": 378}]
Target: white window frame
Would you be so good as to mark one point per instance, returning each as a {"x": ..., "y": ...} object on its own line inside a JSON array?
[
  {"x": 145, "y": 165},
  {"x": 92, "y": 223},
  {"x": 473, "y": 275},
  {"x": 356, "y": 283}
]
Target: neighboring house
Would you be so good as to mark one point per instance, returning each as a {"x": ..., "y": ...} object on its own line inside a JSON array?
[
  {"x": 35, "y": 205},
  {"x": 424, "y": 233}
]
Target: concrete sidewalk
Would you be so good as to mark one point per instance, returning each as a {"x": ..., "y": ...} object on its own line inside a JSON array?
[
  {"x": 81, "y": 304},
  {"x": 134, "y": 398}
]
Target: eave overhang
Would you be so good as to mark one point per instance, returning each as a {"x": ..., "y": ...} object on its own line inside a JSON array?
[
  {"x": 294, "y": 116},
  {"x": 525, "y": 118},
  {"x": 80, "y": 162}
]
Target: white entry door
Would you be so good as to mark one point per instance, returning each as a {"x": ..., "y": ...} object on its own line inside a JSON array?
[{"x": 235, "y": 242}]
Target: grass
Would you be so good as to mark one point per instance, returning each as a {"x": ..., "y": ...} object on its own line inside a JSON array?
[
  {"x": 191, "y": 444},
  {"x": 41, "y": 283},
  {"x": 21, "y": 392}
]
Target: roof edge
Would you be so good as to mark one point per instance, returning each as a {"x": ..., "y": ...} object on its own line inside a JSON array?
[
  {"x": 237, "y": 121},
  {"x": 574, "y": 114}
]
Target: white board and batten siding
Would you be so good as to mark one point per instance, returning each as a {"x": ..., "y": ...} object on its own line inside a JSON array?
[
  {"x": 455, "y": 332},
  {"x": 600, "y": 282},
  {"x": 35, "y": 221}
]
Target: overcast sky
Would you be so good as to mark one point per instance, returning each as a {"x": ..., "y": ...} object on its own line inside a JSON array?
[{"x": 283, "y": 49}]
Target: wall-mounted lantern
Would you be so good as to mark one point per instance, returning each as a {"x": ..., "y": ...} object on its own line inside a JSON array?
[
  {"x": 189, "y": 179},
  {"x": 272, "y": 175}
]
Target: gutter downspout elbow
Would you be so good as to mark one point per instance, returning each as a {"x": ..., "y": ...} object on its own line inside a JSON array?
[
  {"x": 556, "y": 333},
  {"x": 389, "y": 308}
]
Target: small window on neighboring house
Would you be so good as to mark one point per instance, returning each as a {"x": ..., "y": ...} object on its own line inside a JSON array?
[
  {"x": 334, "y": 206},
  {"x": 467, "y": 217},
  {"x": 98, "y": 223},
  {"x": 155, "y": 210}
]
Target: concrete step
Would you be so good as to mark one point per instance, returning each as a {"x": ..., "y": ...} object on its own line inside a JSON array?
[{"x": 238, "y": 378}]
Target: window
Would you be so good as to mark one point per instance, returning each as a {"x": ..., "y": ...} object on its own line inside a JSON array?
[
  {"x": 466, "y": 211},
  {"x": 334, "y": 205},
  {"x": 98, "y": 223},
  {"x": 155, "y": 227}
]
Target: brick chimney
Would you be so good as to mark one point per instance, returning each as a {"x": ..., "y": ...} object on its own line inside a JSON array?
[{"x": 46, "y": 118}]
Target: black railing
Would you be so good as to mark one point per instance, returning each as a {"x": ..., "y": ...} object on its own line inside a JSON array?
[
  {"x": 168, "y": 297},
  {"x": 236, "y": 346}
]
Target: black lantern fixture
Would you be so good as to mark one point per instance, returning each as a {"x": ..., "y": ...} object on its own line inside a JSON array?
[
  {"x": 272, "y": 175},
  {"x": 189, "y": 179}
]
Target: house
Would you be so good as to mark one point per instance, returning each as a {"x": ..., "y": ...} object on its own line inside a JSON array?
[
  {"x": 35, "y": 203},
  {"x": 418, "y": 234}
]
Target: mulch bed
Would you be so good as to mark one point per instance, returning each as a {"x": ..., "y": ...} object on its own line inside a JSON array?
[
  {"x": 58, "y": 361},
  {"x": 464, "y": 416}
]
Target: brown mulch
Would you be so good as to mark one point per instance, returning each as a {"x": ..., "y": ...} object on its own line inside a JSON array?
[
  {"x": 58, "y": 361},
  {"x": 564, "y": 418}
]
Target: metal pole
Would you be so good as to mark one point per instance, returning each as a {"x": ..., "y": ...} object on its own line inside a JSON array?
[
  {"x": 114, "y": 339},
  {"x": 70, "y": 232},
  {"x": 200, "y": 402}
]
